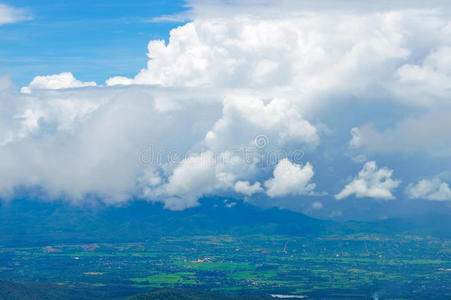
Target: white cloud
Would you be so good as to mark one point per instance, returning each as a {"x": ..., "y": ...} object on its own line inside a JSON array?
[
  {"x": 84, "y": 141},
  {"x": 119, "y": 80},
  {"x": 201, "y": 174},
  {"x": 317, "y": 205},
  {"x": 9, "y": 14},
  {"x": 246, "y": 116},
  {"x": 308, "y": 53},
  {"x": 431, "y": 189},
  {"x": 193, "y": 177},
  {"x": 75, "y": 142},
  {"x": 290, "y": 179},
  {"x": 371, "y": 182},
  {"x": 55, "y": 82},
  {"x": 428, "y": 82},
  {"x": 219, "y": 83},
  {"x": 244, "y": 187}
]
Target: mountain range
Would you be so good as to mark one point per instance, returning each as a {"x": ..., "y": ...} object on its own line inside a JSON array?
[{"x": 36, "y": 223}]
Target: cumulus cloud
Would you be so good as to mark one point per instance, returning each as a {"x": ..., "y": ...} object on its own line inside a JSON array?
[
  {"x": 262, "y": 82},
  {"x": 429, "y": 81},
  {"x": 119, "y": 80},
  {"x": 431, "y": 189},
  {"x": 371, "y": 182},
  {"x": 55, "y": 82},
  {"x": 9, "y": 14},
  {"x": 310, "y": 53},
  {"x": 290, "y": 179},
  {"x": 244, "y": 187},
  {"x": 248, "y": 51},
  {"x": 199, "y": 175},
  {"x": 246, "y": 116},
  {"x": 84, "y": 141},
  {"x": 190, "y": 179}
]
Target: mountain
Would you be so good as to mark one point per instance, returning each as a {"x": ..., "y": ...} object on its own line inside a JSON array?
[
  {"x": 31, "y": 222},
  {"x": 25, "y": 222}
]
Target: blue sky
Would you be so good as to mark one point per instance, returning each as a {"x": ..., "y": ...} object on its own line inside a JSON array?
[{"x": 93, "y": 39}]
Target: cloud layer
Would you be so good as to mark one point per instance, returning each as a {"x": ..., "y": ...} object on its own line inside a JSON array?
[{"x": 243, "y": 104}]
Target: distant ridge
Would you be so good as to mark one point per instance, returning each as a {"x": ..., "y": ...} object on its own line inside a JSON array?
[{"x": 30, "y": 222}]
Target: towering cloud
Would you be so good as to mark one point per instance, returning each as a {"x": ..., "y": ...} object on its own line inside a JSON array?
[
  {"x": 309, "y": 53},
  {"x": 242, "y": 103}
]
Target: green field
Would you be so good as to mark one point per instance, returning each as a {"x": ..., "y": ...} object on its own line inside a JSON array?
[{"x": 354, "y": 265}]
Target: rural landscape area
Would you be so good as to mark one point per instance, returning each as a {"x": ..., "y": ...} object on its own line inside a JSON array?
[
  {"x": 281, "y": 255},
  {"x": 225, "y": 149},
  {"x": 340, "y": 268}
]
